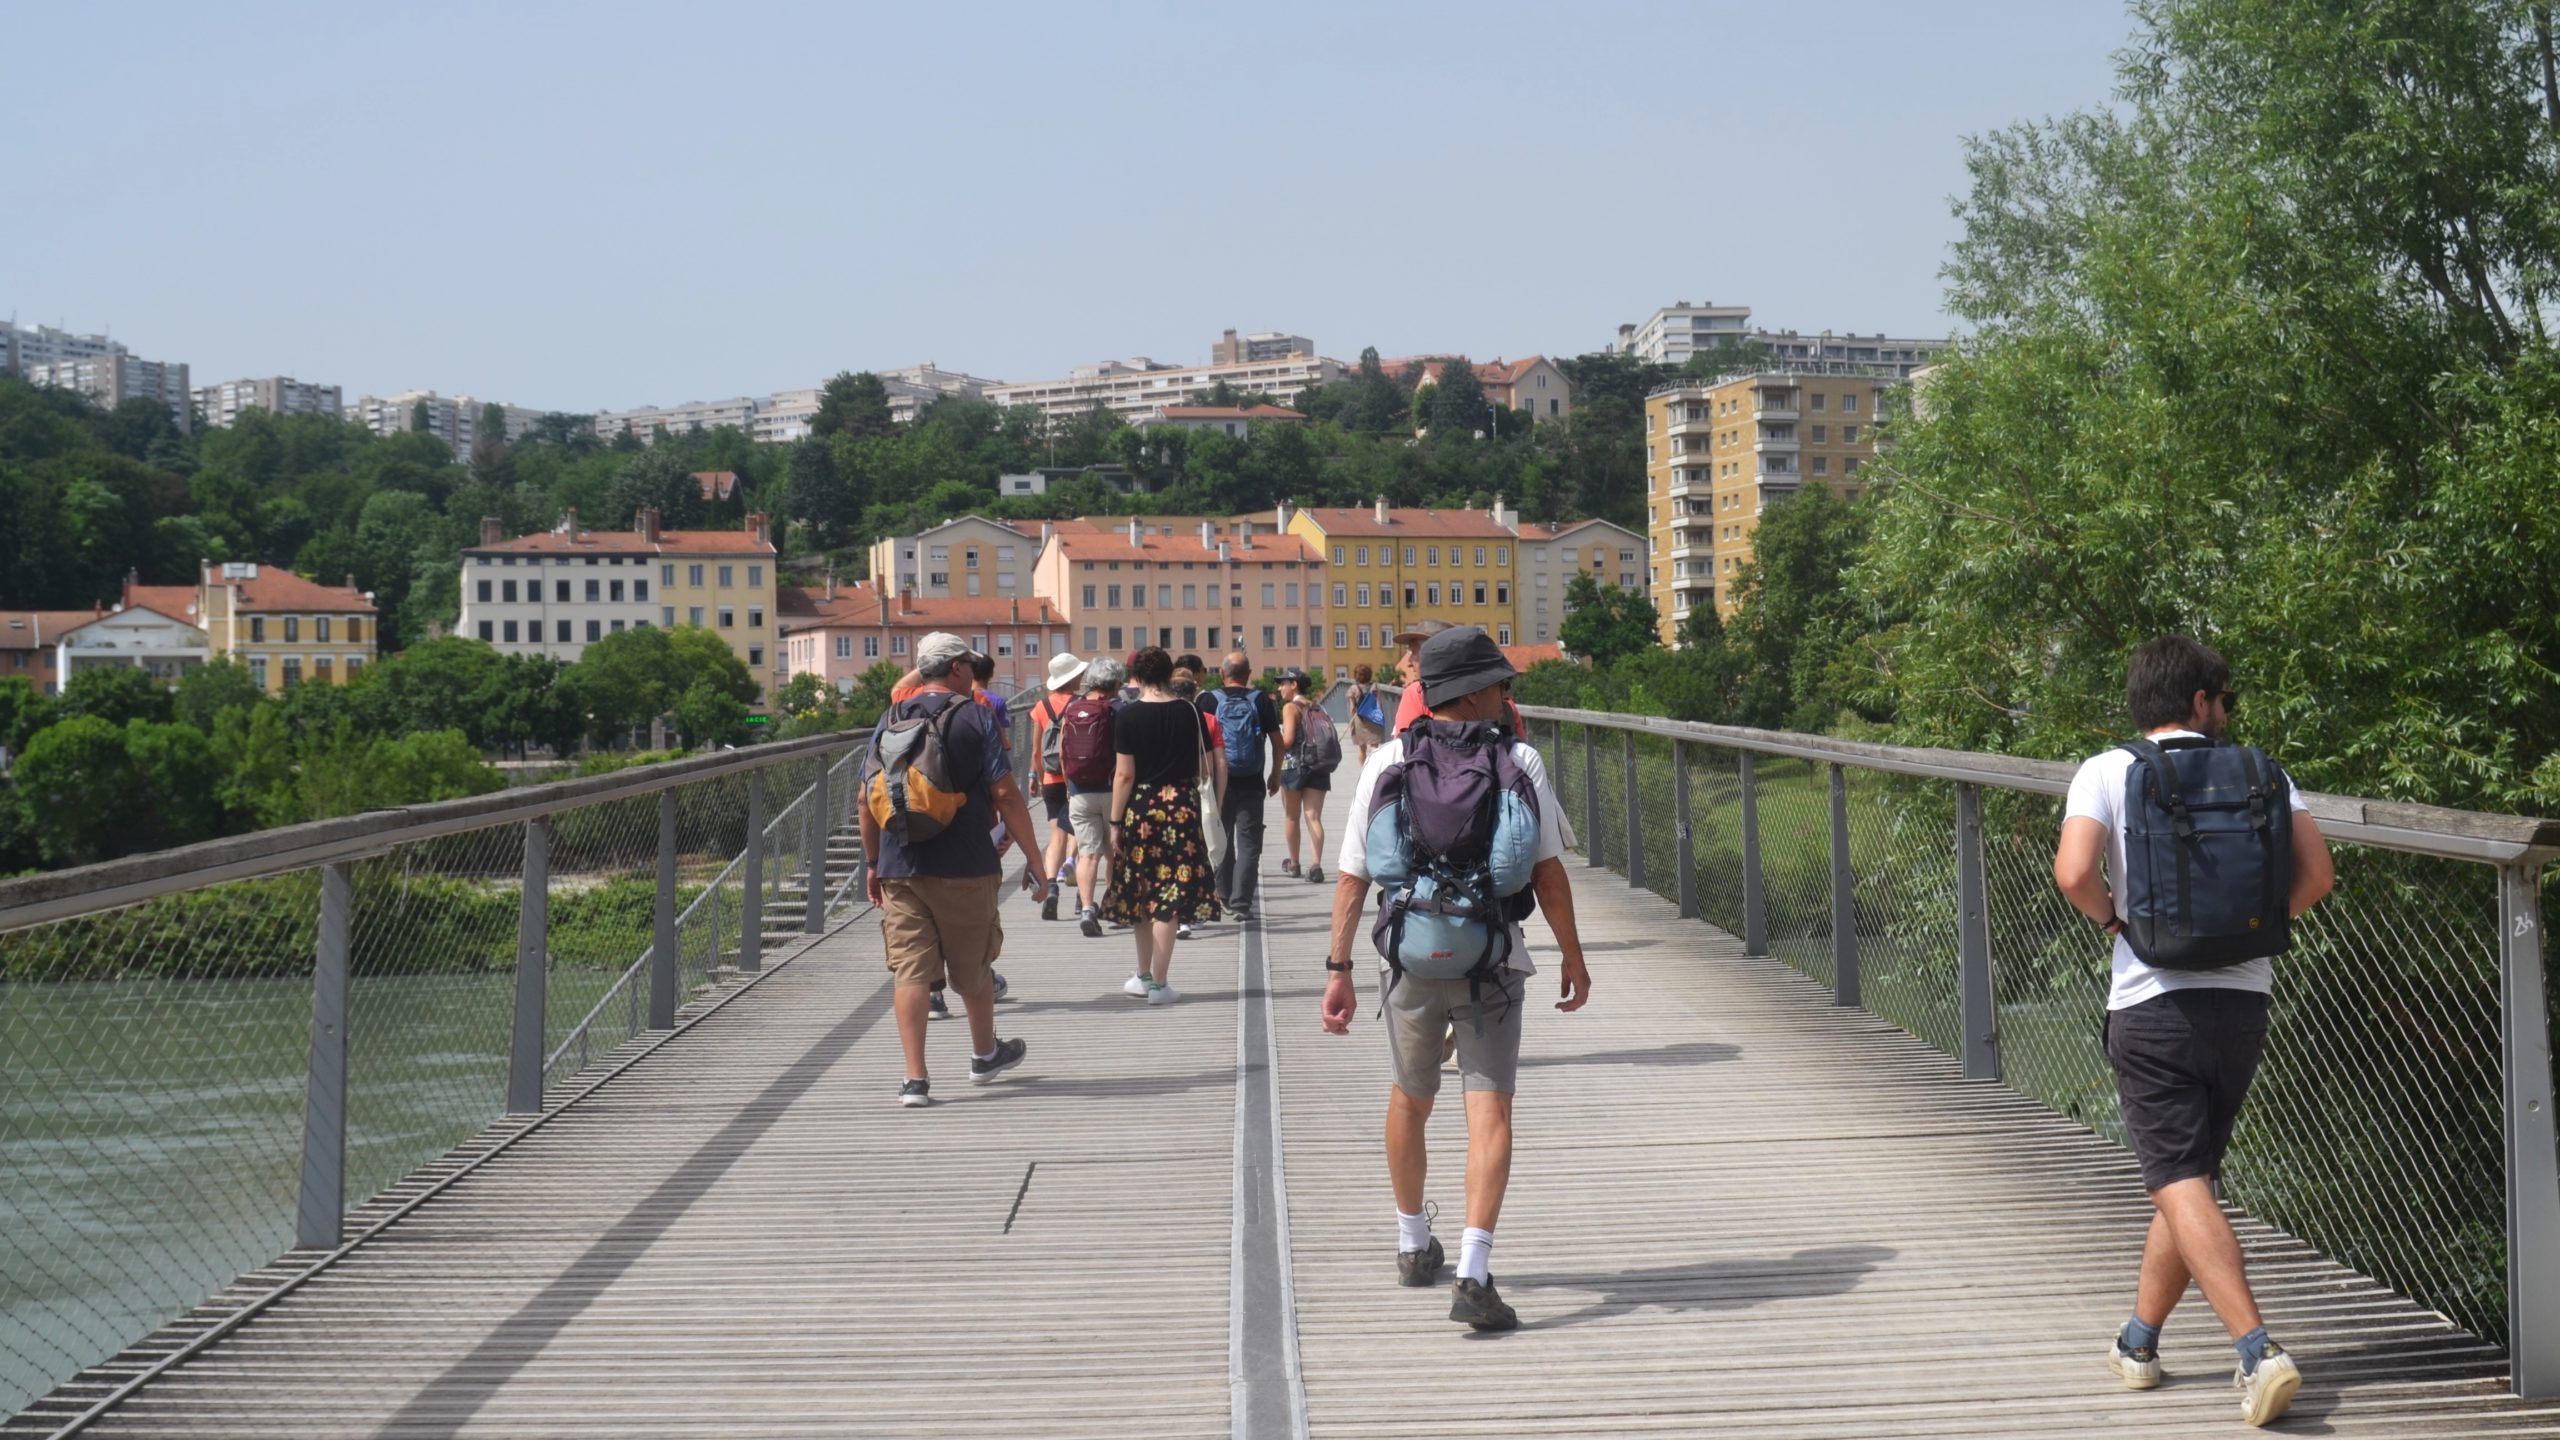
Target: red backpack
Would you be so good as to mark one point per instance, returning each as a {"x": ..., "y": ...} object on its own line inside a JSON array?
[{"x": 1085, "y": 755}]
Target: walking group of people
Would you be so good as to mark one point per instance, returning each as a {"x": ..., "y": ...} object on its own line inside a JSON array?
[{"x": 1454, "y": 836}]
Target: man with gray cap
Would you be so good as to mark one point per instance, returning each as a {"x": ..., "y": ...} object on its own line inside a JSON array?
[
  {"x": 938, "y": 896},
  {"x": 1466, "y": 682}
]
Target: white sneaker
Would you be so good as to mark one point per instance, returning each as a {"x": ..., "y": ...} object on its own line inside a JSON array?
[
  {"x": 2138, "y": 1369},
  {"x": 1137, "y": 985},
  {"x": 2267, "y": 1391},
  {"x": 1167, "y": 995},
  {"x": 1182, "y": 931}
]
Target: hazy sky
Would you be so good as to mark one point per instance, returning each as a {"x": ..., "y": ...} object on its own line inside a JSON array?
[{"x": 601, "y": 206}]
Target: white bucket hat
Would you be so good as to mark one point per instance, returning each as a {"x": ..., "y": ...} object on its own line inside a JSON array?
[{"x": 1064, "y": 670}]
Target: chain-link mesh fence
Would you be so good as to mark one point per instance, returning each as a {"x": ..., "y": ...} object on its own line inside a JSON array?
[
  {"x": 154, "y": 1058},
  {"x": 2375, "y": 1127}
]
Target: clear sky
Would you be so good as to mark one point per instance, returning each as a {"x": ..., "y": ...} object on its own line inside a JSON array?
[{"x": 601, "y": 206}]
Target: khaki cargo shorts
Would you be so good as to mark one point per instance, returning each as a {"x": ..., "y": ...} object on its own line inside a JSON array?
[
  {"x": 1089, "y": 816},
  {"x": 940, "y": 930},
  {"x": 1420, "y": 1013}
]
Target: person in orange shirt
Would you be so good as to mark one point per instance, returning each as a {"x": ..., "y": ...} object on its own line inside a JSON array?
[{"x": 1066, "y": 676}]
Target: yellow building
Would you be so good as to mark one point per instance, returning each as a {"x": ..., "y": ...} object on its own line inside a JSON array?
[
  {"x": 1391, "y": 567},
  {"x": 1717, "y": 455},
  {"x": 286, "y": 629}
]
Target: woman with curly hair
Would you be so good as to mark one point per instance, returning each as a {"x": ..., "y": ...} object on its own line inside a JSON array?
[{"x": 1166, "y": 882}]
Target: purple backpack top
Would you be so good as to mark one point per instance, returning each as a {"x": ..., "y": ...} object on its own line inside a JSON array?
[{"x": 1452, "y": 837}]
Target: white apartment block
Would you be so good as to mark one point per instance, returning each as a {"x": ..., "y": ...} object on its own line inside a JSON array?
[
  {"x": 22, "y": 347},
  {"x": 915, "y": 388},
  {"x": 1261, "y": 345},
  {"x": 738, "y": 411},
  {"x": 1849, "y": 354},
  {"x": 785, "y": 415},
  {"x": 117, "y": 376},
  {"x": 220, "y": 405},
  {"x": 454, "y": 419},
  {"x": 1138, "y": 386},
  {"x": 1675, "y": 332}
]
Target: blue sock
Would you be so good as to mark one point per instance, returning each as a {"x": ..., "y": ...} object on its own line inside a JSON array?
[
  {"x": 2252, "y": 1348},
  {"x": 2138, "y": 1336}
]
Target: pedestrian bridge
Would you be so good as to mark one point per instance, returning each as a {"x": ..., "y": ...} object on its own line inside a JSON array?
[{"x": 1829, "y": 1154}]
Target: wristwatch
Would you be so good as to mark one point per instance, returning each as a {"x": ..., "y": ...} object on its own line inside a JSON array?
[{"x": 1341, "y": 965}]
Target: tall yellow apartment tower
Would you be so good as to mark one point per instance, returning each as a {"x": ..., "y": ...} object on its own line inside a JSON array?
[{"x": 1718, "y": 455}]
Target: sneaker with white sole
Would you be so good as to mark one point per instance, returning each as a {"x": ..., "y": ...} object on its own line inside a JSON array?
[
  {"x": 1008, "y": 1054},
  {"x": 915, "y": 1093},
  {"x": 2138, "y": 1368},
  {"x": 1163, "y": 995},
  {"x": 1090, "y": 922},
  {"x": 1136, "y": 985},
  {"x": 936, "y": 1006},
  {"x": 2266, "y": 1392},
  {"x": 1001, "y": 988},
  {"x": 1182, "y": 931}
]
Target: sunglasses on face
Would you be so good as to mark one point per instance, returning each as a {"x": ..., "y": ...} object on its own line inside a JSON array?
[{"x": 2230, "y": 700}]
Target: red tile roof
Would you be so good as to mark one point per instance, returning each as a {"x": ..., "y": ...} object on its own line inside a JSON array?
[
  {"x": 717, "y": 484},
  {"x": 1427, "y": 524},
  {"x": 178, "y": 602},
  {"x": 629, "y": 542},
  {"x": 273, "y": 589},
  {"x": 1524, "y": 656},
  {"x": 1184, "y": 545},
  {"x": 858, "y": 604},
  {"x": 40, "y": 629}
]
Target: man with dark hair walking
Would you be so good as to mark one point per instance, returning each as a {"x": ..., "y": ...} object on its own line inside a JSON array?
[
  {"x": 2184, "y": 1040},
  {"x": 1249, "y": 722}
]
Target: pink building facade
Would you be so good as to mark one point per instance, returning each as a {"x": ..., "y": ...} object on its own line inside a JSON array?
[
  {"x": 837, "y": 636},
  {"x": 1207, "y": 589}
]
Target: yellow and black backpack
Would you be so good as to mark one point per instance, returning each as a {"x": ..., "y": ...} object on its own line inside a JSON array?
[{"x": 912, "y": 790}]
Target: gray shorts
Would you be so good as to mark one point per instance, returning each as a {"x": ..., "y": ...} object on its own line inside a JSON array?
[
  {"x": 1420, "y": 1012},
  {"x": 1089, "y": 816}
]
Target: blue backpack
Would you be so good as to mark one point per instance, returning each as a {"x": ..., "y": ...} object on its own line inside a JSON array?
[
  {"x": 1368, "y": 708},
  {"x": 2208, "y": 854},
  {"x": 1452, "y": 838},
  {"x": 1240, "y": 718}
]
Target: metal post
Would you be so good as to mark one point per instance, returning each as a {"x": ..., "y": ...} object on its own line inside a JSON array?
[
  {"x": 1635, "y": 813},
  {"x": 2533, "y": 1149},
  {"x": 323, "y": 1200},
  {"x": 1685, "y": 854},
  {"x": 813, "y": 917},
  {"x": 751, "y": 884},
  {"x": 1980, "y": 1015},
  {"x": 1591, "y": 794},
  {"x": 533, "y": 972},
  {"x": 1844, "y": 900},
  {"x": 662, "y": 952},
  {"x": 1755, "y": 890}
]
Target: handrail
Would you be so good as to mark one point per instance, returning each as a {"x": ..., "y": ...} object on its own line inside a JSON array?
[
  {"x": 62, "y": 894},
  {"x": 2387, "y": 824}
]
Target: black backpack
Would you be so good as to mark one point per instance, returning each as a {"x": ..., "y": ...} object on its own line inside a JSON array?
[{"x": 2208, "y": 854}]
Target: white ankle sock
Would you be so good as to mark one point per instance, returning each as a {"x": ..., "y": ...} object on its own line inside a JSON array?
[
  {"x": 1475, "y": 1254},
  {"x": 1413, "y": 1232},
  {"x": 990, "y": 1055}
]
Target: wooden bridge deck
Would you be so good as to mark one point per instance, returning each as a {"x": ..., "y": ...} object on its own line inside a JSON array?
[{"x": 1736, "y": 1210}]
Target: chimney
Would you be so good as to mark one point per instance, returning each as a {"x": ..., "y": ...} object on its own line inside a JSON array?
[
  {"x": 1286, "y": 510},
  {"x": 646, "y": 522},
  {"x": 883, "y": 593},
  {"x": 1208, "y": 534},
  {"x": 906, "y": 599},
  {"x": 351, "y": 580},
  {"x": 755, "y": 528},
  {"x": 570, "y": 521},
  {"x": 491, "y": 532},
  {"x": 1222, "y": 552},
  {"x": 1382, "y": 511},
  {"x": 1244, "y": 534},
  {"x": 831, "y": 583},
  {"x": 1504, "y": 516},
  {"x": 1137, "y": 534},
  {"x": 1017, "y": 609}
]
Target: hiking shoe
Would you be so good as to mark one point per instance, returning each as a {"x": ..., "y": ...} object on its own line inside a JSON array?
[
  {"x": 2267, "y": 1391},
  {"x": 1002, "y": 989},
  {"x": 1163, "y": 995},
  {"x": 916, "y": 1093},
  {"x": 1008, "y": 1054},
  {"x": 1091, "y": 924},
  {"x": 2138, "y": 1368},
  {"x": 937, "y": 1006},
  {"x": 1419, "y": 1269},
  {"x": 1136, "y": 985},
  {"x": 1049, "y": 907},
  {"x": 1288, "y": 867},
  {"x": 1241, "y": 914},
  {"x": 1473, "y": 1302},
  {"x": 1315, "y": 874}
]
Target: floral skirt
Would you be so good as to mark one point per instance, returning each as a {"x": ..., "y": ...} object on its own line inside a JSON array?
[{"x": 1163, "y": 870}]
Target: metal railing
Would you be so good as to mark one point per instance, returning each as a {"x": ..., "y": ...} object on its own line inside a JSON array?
[
  {"x": 214, "y": 1056},
  {"x": 2402, "y": 1121}
]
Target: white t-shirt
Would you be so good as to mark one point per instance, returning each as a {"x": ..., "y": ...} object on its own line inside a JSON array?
[
  {"x": 1555, "y": 832},
  {"x": 2097, "y": 793}
]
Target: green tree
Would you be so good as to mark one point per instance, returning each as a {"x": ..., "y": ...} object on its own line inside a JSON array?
[
  {"x": 869, "y": 698},
  {"x": 23, "y": 711},
  {"x": 1796, "y": 625},
  {"x": 78, "y": 784},
  {"x": 207, "y": 691},
  {"x": 1603, "y": 624},
  {"x": 658, "y": 477},
  {"x": 1457, "y": 407},
  {"x": 708, "y": 716},
  {"x": 115, "y": 694},
  {"x": 175, "y": 800},
  {"x": 851, "y": 404}
]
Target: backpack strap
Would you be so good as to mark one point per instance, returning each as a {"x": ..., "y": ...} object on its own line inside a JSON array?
[{"x": 2166, "y": 773}]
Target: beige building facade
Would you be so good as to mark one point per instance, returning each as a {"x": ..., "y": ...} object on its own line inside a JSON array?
[
  {"x": 963, "y": 557},
  {"x": 289, "y": 631}
]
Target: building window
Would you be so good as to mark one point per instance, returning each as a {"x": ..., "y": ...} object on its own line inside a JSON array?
[
  {"x": 1479, "y": 555},
  {"x": 726, "y": 574},
  {"x": 1364, "y": 637},
  {"x": 1821, "y": 464},
  {"x": 755, "y": 656},
  {"x": 509, "y": 630},
  {"x": 897, "y": 644},
  {"x": 488, "y": 631},
  {"x": 1409, "y": 592},
  {"x": 693, "y": 616},
  {"x": 1817, "y": 403},
  {"x": 1337, "y": 555},
  {"x": 258, "y": 665},
  {"x": 728, "y": 617},
  {"x": 292, "y": 671},
  {"x": 321, "y": 668},
  {"x": 613, "y": 591},
  {"x": 755, "y": 617},
  {"x": 1502, "y": 592},
  {"x": 1848, "y": 406},
  {"x": 1089, "y": 637},
  {"x": 1479, "y": 592},
  {"x": 1190, "y": 597},
  {"x": 293, "y": 627},
  {"x": 485, "y": 587},
  {"x": 666, "y": 616},
  {"x": 1821, "y": 435},
  {"x": 1364, "y": 553},
  {"x": 354, "y": 664},
  {"x": 617, "y": 626},
  {"x": 1270, "y": 596},
  {"x": 1363, "y": 593},
  {"x": 1431, "y": 555},
  {"x": 639, "y": 590},
  {"x": 355, "y": 632},
  {"x": 1341, "y": 596},
  {"x": 595, "y": 630},
  {"x": 560, "y": 631},
  {"x": 595, "y": 590},
  {"x": 1115, "y": 638},
  {"x": 666, "y": 574},
  {"x": 1270, "y": 637},
  {"x": 320, "y": 629},
  {"x": 1114, "y": 602},
  {"x": 1031, "y": 646},
  {"x": 1408, "y": 554},
  {"x": 1088, "y": 600},
  {"x": 1293, "y": 637},
  {"x": 507, "y": 591},
  {"x": 1502, "y": 635},
  {"x": 755, "y": 577},
  {"x": 1432, "y": 592},
  {"x": 1848, "y": 434},
  {"x": 693, "y": 576}
]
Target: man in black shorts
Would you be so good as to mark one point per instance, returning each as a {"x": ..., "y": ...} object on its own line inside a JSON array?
[{"x": 2184, "y": 1043}]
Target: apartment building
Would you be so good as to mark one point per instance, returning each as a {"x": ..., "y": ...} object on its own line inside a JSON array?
[
  {"x": 1533, "y": 384},
  {"x": 152, "y": 629},
  {"x": 963, "y": 557},
  {"x": 221, "y": 404},
  {"x": 1198, "y": 590},
  {"x": 1848, "y": 354},
  {"x": 1262, "y": 345},
  {"x": 23, "y": 347},
  {"x": 738, "y": 412},
  {"x": 31, "y": 645},
  {"x": 116, "y": 376},
  {"x": 1551, "y": 554},
  {"x": 1716, "y": 456},
  {"x": 558, "y": 592},
  {"x": 841, "y": 631},
  {"x": 454, "y": 419},
  {"x": 1673, "y": 333},
  {"x": 1235, "y": 421},
  {"x": 286, "y": 629},
  {"x": 1138, "y": 386},
  {"x": 1389, "y": 567}
]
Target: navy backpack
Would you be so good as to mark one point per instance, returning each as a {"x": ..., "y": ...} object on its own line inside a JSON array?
[{"x": 2208, "y": 852}]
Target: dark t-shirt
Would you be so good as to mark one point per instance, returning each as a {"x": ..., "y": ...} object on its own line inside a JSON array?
[
  {"x": 975, "y": 748},
  {"x": 1265, "y": 710},
  {"x": 1164, "y": 737}
]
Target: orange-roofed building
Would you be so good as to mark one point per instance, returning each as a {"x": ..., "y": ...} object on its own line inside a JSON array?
[
  {"x": 31, "y": 644},
  {"x": 1534, "y": 384},
  {"x": 1389, "y": 568},
  {"x": 286, "y": 629},
  {"x": 841, "y": 631},
  {"x": 1203, "y": 590}
]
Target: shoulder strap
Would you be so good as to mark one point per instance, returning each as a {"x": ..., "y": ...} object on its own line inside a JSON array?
[{"x": 2149, "y": 753}]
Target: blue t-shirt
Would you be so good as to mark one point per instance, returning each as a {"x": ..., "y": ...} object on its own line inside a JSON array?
[{"x": 974, "y": 747}]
